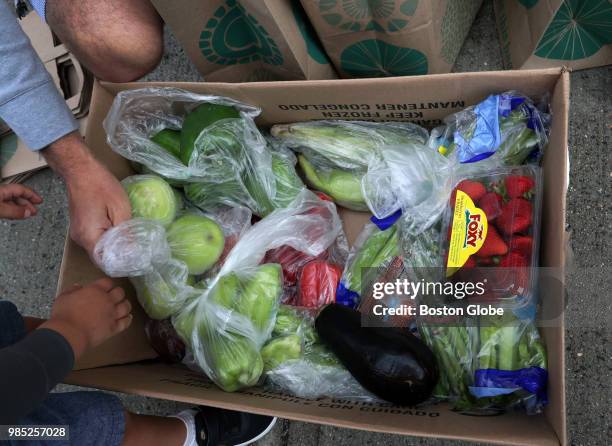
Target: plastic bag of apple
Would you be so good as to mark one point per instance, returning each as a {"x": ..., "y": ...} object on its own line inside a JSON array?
[{"x": 224, "y": 309}]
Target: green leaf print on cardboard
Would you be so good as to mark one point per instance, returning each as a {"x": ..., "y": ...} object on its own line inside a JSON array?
[
  {"x": 308, "y": 33},
  {"x": 375, "y": 58},
  {"x": 579, "y": 29},
  {"x": 385, "y": 16},
  {"x": 8, "y": 148},
  {"x": 528, "y": 3},
  {"x": 233, "y": 36}
]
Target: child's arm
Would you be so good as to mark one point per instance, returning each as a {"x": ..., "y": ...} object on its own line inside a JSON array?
[
  {"x": 81, "y": 318},
  {"x": 18, "y": 202}
]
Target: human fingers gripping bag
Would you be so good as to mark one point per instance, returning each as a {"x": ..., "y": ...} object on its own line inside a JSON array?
[
  {"x": 169, "y": 251},
  {"x": 207, "y": 144},
  {"x": 229, "y": 324}
]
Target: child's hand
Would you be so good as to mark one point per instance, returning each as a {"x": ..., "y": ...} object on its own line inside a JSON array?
[
  {"x": 88, "y": 316},
  {"x": 18, "y": 202}
]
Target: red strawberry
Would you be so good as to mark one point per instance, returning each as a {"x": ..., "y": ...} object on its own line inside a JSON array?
[
  {"x": 474, "y": 189},
  {"x": 515, "y": 217},
  {"x": 518, "y": 185},
  {"x": 491, "y": 204},
  {"x": 493, "y": 245},
  {"x": 513, "y": 274},
  {"x": 470, "y": 263},
  {"x": 522, "y": 244}
]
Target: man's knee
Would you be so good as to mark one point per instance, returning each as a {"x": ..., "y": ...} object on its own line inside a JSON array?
[
  {"x": 116, "y": 40},
  {"x": 132, "y": 62}
]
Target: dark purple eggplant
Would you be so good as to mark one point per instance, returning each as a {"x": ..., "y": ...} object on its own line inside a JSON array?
[{"x": 388, "y": 361}]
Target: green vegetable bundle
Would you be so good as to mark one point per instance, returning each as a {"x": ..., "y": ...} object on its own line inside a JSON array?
[
  {"x": 334, "y": 155},
  {"x": 207, "y": 144},
  {"x": 226, "y": 330}
]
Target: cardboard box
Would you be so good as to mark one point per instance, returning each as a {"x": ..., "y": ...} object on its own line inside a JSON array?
[
  {"x": 120, "y": 364},
  {"x": 247, "y": 40},
  {"x": 392, "y": 38},
  {"x": 537, "y": 34}
]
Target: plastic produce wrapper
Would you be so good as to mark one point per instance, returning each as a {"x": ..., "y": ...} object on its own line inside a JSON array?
[
  {"x": 298, "y": 364},
  {"x": 287, "y": 182},
  {"x": 227, "y": 326},
  {"x": 334, "y": 155},
  {"x": 503, "y": 130},
  {"x": 230, "y": 162},
  {"x": 161, "y": 261},
  {"x": 487, "y": 363},
  {"x": 375, "y": 249}
]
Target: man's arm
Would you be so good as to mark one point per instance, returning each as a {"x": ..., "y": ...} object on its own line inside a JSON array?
[
  {"x": 29, "y": 101},
  {"x": 31, "y": 105}
]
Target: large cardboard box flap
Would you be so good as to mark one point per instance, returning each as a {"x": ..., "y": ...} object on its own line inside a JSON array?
[
  {"x": 549, "y": 33},
  {"x": 392, "y": 38},
  {"x": 126, "y": 363},
  {"x": 247, "y": 40}
]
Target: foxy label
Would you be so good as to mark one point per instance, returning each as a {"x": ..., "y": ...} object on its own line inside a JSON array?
[{"x": 468, "y": 233}]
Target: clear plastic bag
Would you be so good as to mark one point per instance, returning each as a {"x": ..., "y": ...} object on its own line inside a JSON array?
[
  {"x": 373, "y": 252},
  {"x": 288, "y": 183},
  {"x": 410, "y": 177},
  {"x": 132, "y": 248},
  {"x": 297, "y": 363},
  {"x": 509, "y": 363},
  {"x": 161, "y": 263},
  {"x": 503, "y": 130},
  {"x": 334, "y": 155},
  {"x": 506, "y": 129},
  {"x": 222, "y": 157},
  {"x": 227, "y": 327}
]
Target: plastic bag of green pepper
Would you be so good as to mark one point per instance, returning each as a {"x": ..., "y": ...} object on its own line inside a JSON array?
[
  {"x": 209, "y": 145},
  {"x": 295, "y": 361},
  {"x": 227, "y": 326}
]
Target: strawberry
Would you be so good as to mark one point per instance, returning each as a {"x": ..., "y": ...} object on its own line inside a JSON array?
[
  {"x": 469, "y": 263},
  {"x": 474, "y": 189},
  {"x": 513, "y": 274},
  {"x": 491, "y": 204},
  {"x": 515, "y": 217},
  {"x": 518, "y": 185},
  {"x": 522, "y": 244},
  {"x": 493, "y": 245}
]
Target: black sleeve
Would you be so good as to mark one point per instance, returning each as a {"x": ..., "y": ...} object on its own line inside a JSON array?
[{"x": 29, "y": 370}]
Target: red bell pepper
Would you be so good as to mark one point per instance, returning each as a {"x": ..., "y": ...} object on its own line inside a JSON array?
[{"x": 317, "y": 284}]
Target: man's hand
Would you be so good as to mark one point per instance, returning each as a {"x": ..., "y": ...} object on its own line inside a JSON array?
[
  {"x": 96, "y": 199},
  {"x": 18, "y": 202},
  {"x": 88, "y": 316}
]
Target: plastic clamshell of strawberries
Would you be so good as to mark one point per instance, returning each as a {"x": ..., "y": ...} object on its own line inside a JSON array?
[{"x": 506, "y": 263}]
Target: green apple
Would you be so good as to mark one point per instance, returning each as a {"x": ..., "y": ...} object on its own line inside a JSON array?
[
  {"x": 196, "y": 240},
  {"x": 151, "y": 198}
]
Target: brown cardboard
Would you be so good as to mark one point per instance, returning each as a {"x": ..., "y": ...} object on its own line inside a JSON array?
[
  {"x": 392, "y": 38},
  {"x": 523, "y": 32},
  {"x": 424, "y": 99},
  {"x": 276, "y": 41}
]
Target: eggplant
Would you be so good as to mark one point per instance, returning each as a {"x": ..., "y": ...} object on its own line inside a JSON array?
[{"x": 390, "y": 362}]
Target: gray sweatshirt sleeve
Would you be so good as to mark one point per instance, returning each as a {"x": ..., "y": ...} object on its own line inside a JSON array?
[
  {"x": 29, "y": 370},
  {"x": 30, "y": 104}
]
